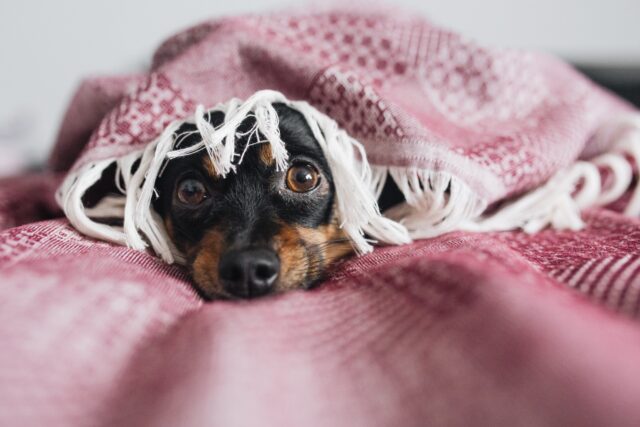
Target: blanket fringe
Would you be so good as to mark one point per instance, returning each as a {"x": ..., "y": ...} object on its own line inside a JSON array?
[
  {"x": 69, "y": 197},
  {"x": 142, "y": 227},
  {"x": 354, "y": 182},
  {"x": 559, "y": 202},
  {"x": 436, "y": 201}
]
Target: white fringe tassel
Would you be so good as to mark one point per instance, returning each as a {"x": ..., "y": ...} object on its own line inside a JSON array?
[
  {"x": 142, "y": 226},
  {"x": 559, "y": 202},
  {"x": 436, "y": 202}
]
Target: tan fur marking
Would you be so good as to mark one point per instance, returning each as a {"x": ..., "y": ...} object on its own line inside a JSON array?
[
  {"x": 208, "y": 166},
  {"x": 205, "y": 264},
  {"x": 265, "y": 154},
  {"x": 330, "y": 239},
  {"x": 305, "y": 253},
  {"x": 337, "y": 244},
  {"x": 293, "y": 258}
]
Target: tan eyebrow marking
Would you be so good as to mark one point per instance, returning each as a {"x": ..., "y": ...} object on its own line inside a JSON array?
[
  {"x": 265, "y": 154},
  {"x": 208, "y": 166}
]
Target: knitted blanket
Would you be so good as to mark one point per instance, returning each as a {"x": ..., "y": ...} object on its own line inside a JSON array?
[{"x": 484, "y": 328}]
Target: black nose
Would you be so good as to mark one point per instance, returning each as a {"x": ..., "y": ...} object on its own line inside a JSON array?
[{"x": 249, "y": 273}]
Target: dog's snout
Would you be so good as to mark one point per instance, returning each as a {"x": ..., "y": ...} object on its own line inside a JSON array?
[{"x": 249, "y": 273}]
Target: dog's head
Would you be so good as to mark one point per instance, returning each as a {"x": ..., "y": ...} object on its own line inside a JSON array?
[{"x": 256, "y": 231}]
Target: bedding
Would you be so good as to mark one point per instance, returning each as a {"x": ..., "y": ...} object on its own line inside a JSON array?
[
  {"x": 499, "y": 327},
  {"x": 489, "y": 329}
]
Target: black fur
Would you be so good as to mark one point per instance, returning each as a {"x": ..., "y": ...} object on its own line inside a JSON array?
[{"x": 250, "y": 203}]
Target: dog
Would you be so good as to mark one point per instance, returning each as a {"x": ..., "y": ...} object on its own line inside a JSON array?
[{"x": 258, "y": 231}]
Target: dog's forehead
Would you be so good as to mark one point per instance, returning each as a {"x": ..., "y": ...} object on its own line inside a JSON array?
[
  {"x": 296, "y": 133},
  {"x": 294, "y": 130}
]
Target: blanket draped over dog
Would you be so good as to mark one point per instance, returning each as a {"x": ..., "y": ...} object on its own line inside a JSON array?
[
  {"x": 493, "y": 328},
  {"x": 458, "y": 126}
]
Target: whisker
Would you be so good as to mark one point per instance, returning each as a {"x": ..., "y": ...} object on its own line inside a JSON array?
[
  {"x": 329, "y": 243},
  {"x": 314, "y": 267}
]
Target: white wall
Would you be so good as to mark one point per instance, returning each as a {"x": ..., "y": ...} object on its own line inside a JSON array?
[{"x": 47, "y": 46}]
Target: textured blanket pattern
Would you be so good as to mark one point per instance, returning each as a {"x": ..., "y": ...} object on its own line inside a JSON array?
[
  {"x": 415, "y": 94},
  {"x": 457, "y": 126},
  {"x": 462, "y": 328}
]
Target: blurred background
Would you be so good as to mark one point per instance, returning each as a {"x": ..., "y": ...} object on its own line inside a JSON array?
[{"x": 46, "y": 47}]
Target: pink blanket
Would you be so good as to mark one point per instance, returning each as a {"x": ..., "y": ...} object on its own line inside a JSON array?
[
  {"x": 463, "y": 329},
  {"x": 458, "y": 126}
]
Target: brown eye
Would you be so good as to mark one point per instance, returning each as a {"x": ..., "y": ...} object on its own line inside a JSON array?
[
  {"x": 302, "y": 178},
  {"x": 191, "y": 192}
]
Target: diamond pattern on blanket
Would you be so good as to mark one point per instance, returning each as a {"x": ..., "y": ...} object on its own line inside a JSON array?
[
  {"x": 140, "y": 117},
  {"x": 354, "y": 104}
]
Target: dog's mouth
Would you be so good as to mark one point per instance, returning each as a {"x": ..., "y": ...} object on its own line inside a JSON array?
[
  {"x": 293, "y": 257},
  {"x": 298, "y": 258}
]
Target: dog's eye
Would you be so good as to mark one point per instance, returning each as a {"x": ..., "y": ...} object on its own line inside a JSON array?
[
  {"x": 302, "y": 178},
  {"x": 191, "y": 192}
]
